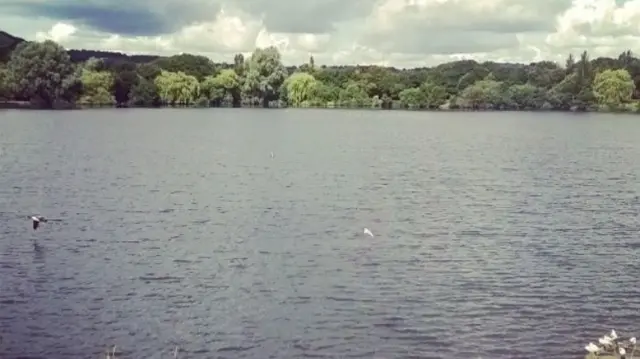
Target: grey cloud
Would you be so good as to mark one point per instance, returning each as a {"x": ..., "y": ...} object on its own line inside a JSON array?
[
  {"x": 118, "y": 16},
  {"x": 131, "y": 17}
]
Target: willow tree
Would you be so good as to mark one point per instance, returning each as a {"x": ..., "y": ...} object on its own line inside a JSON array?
[
  {"x": 96, "y": 87},
  {"x": 613, "y": 87},
  {"x": 177, "y": 88},
  {"x": 301, "y": 88}
]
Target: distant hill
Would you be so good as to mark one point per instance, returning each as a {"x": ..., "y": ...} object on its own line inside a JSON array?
[
  {"x": 9, "y": 42},
  {"x": 84, "y": 55}
]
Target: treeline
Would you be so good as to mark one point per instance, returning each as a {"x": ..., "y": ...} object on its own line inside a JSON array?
[{"x": 45, "y": 75}]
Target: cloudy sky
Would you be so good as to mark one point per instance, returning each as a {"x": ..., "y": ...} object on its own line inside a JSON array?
[{"x": 403, "y": 33}]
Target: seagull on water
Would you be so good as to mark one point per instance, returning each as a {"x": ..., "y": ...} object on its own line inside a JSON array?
[
  {"x": 272, "y": 155},
  {"x": 368, "y": 232},
  {"x": 36, "y": 221}
]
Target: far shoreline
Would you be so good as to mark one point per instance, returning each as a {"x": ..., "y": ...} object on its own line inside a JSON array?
[{"x": 25, "y": 105}]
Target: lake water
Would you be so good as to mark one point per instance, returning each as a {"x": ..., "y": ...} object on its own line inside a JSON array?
[{"x": 497, "y": 235}]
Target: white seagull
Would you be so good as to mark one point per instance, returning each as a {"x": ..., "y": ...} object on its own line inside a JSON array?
[{"x": 368, "y": 232}]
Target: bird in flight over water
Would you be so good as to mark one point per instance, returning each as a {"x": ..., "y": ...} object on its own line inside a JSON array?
[
  {"x": 368, "y": 232},
  {"x": 36, "y": 221}
]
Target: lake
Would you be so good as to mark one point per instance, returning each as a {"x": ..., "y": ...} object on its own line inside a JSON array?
[{"x": 496, "y": 235}]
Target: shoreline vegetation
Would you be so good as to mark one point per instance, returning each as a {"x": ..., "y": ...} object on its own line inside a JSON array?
[{"x": 44, "y": 75}]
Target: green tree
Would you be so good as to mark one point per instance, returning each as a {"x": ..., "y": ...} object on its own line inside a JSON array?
[
  {"x": 224, "y": 85},
  {"x": 326, "y": 94},
  {"x": 525, "y": 97},
  {"x": 148, "y": 71},
  {"x": 5, "y": 88},
  {"x": 354, "y": 94},
  {"x": 613, "y": 88},
  {"x": 483, "y": 94},
  {"x": 177, "y": 88},
  {"x": 144, "y": 94},
  {"x": 43, "y": 73},
  {"x": 412, "y": 98},
  {"x": 434, "y": 95},
  {"x": 193, "y": 65},
  {"x": 301, "y": 89},
  {"x": 264, "y": 74},
  {"x": 125, "y": 77},
  {"x": 96, "y": 87},
  {"x": 95, "y": 64}
]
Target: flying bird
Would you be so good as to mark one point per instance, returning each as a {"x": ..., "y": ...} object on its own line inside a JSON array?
[
  {"x": 368, "y": 232},
  {"x": 36, "y": 221}
]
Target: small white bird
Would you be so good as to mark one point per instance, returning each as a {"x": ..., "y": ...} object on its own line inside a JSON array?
[
  {"x": 614, "y": 336},
  {"x": 622, "y": 351},
  {"x": 633, "y": 340},
  {"x": 272, "y": 155},
  {"x": 368, "y": 232},
  {"x": 592, "y": 348}
]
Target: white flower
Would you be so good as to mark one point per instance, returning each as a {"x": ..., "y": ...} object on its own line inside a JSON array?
[
  {"x": 622, "y": 351},
  {"x": 592, "y": 348},
  {"x": 633, "y": 340},
  {"x": 605, "y": 340},
  {"x": 613, "y": 334}
]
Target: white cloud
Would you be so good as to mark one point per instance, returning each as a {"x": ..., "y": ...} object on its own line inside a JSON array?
[
  {"x": 402, "y": 33},
  {"x": 60, "y": 32}
]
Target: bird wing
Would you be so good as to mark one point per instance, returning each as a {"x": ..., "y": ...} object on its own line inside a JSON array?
[{"x": 35, "y": 225}]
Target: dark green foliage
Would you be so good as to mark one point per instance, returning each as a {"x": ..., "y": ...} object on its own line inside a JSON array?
[
  {"x": 194, "y": 65},
  {"x": 144, "y": 94},
  {"x": 44, "y": 74},
  {"x": 48, "y": 76}
]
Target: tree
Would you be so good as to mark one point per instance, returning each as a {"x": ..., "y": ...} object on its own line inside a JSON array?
[
  {"x": 225, "y": 84},
  {"x": 301, "y": 88},
  {"x": 354, "y": 94},
  {"x": 96, "y": 87},
  {"x": 525, "y": 97},
  {"x": 177, "y": 88},
  {"x": 613, "y": 87},
  {"x": 412, "y": 98},
  {"x": 482, "y": 94},
  {"x": 434, "y": 95},
  {"x": 148, "y": 71},
  {"x": 95, "y": 64},
  {"x": 43, "y": 73},
  {"x": 192, "y": 65},
  {"x": 125, "y": 77},
  {"x": 264, "y": 74},
  {"x": 144, "y": 94},
  {"x": 326, "y": 94},
  {"x": 5, "y": 89},
  {"x": 47, "y": 75}
]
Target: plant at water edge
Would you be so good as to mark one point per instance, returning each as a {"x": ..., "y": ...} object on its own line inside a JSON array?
[{"x": 611, "y": 346}]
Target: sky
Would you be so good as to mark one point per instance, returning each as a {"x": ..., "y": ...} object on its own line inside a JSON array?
[{"x": 401, "y": 33}]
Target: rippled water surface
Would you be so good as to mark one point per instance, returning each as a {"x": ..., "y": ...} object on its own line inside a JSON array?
[{"x": 497, "y": 235}]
